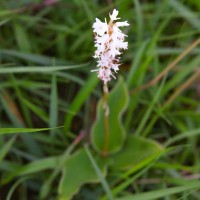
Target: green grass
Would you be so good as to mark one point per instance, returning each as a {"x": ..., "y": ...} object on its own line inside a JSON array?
[{"x": 48, "y": 98}]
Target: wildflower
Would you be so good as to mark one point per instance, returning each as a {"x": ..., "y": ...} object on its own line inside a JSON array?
[{"x": 109, "y": 41}]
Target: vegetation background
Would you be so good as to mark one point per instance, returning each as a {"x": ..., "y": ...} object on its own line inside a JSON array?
[{"x": 46, "y": 50}]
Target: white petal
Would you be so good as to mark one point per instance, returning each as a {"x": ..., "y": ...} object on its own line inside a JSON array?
[
  {"x": 99, "y": 27},
  {"x": 113, "y": 16},
  {"x": 122, "y": 24}
]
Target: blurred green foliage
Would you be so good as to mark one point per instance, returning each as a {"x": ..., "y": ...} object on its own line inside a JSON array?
[{"x": 46, "y": 50}]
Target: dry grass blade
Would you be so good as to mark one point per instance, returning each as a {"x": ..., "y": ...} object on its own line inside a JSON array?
[
  {"x": 182, "y": 87},
  {"x": 168, "y": 68},
  {"x": 13, "y": 107}
]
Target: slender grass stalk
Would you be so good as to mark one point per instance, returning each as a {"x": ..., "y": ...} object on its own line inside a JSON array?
[
  {"x": 106, "y": 121},
  {"x": 99, "y": 174}
]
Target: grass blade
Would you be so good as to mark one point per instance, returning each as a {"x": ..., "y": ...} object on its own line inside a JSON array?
[
  {"x": 161, "y": 193},
  {"x": 100, "y": 175}
]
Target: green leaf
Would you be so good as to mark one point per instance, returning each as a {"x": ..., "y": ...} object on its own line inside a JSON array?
[
  {"x": 35, "y": 69},
  {"x": 188, "y": 14},
  {"x": 139, "y": 73},
  {"x": 80, "y": 99},
  {"x": 46, "y": 188},
  {"x": 35, "y": 58},
  {"x": 195, "y": 3},
  {"x": 78, "y": 170},
  {"x": 187, "y": 134},
  {"x": 135, "y": 151},
  {"x": 33, "y": 167},
  {"x": 161, "y": 193},
  {"x": 14, "y": 186},
  {"x": 136, "y": 62},
  {"x": 22, "y": 39},
  {"x": 53, "y": 118},
  {"x": 36, "y": 109},
  {"x": 23, "y": 130},
  {"x": 99, "y": 173},
  {"x": 117, "y": 102},
  {"x": 5, "y": 148}
]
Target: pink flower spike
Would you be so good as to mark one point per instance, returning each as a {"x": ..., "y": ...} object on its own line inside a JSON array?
[{"x": 109, "y": 41}]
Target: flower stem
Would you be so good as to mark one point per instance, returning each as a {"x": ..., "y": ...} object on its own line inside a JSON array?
[{"x": 106, "y": 122}]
